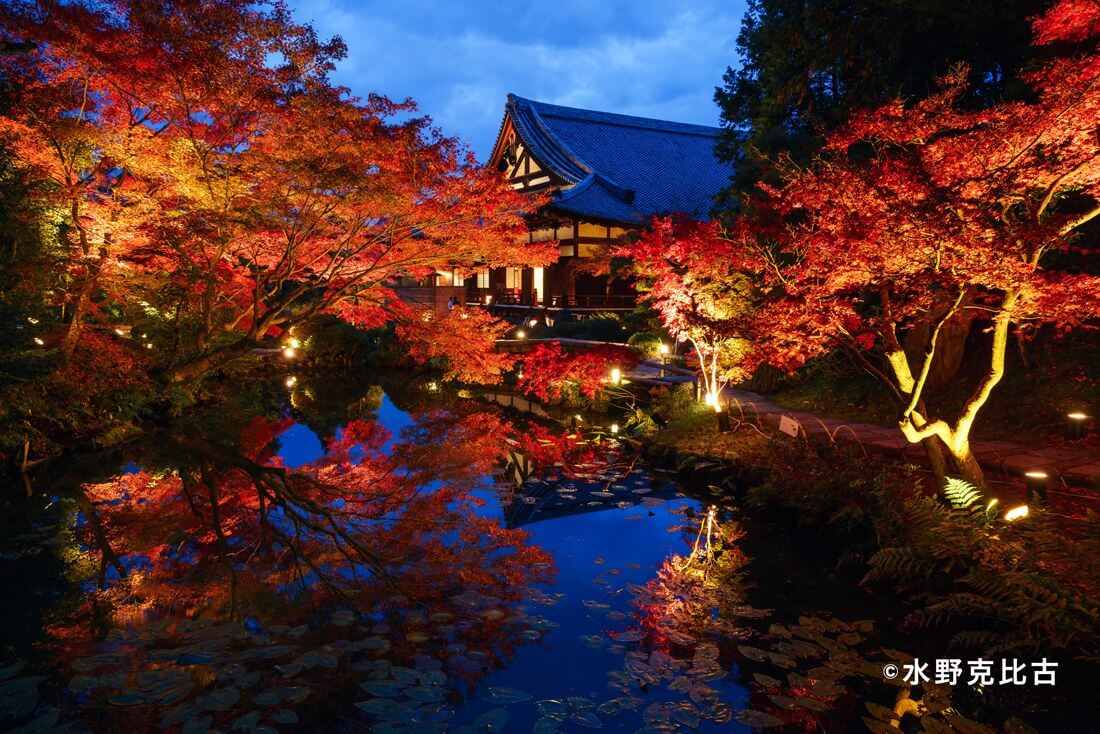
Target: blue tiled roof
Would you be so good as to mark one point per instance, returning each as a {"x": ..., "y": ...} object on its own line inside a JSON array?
[{"x": 623, "y": 168}]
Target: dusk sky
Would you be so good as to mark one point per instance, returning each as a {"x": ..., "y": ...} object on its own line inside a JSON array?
[{"x": 459, "y": 59}]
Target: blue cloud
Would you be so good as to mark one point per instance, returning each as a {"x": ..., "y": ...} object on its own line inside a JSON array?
[{"x": 458, "y": 60}]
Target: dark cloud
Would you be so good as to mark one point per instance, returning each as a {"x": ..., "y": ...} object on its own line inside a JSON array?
[{"x": 458, "y": 60}]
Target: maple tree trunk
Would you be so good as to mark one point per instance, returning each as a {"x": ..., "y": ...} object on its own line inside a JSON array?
[
  {"x": 950, "y": 342},
  {"x": 966, "y": 467},
  {"x": 80, "y": 308},
  {"x": 936, "y": 452},
  {"x": 212, "y": 360}
]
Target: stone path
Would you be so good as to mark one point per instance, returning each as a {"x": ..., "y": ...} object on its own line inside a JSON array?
[{"x": 1067, "y": 463}]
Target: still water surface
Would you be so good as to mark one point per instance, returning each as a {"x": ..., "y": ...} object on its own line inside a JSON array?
[{"x": 318, "y": 557}]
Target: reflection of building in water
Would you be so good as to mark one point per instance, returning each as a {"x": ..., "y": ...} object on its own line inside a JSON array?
[{"x": 515, "y": 402}]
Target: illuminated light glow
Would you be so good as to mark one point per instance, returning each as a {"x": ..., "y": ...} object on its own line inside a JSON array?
[
  {"x": 38, "y": 341},
  {"x": 519, "y": 375},
  {"x": 614, "y": 427},
  {"x": 1077, "y": 416},
  {"x": 616, "y": 376},
  {"x": 1017, "y": 513},
  {"x": 1036, "y": 474},
  {"x": 533, "y": 323},
  {"x": 32, "y": 320},
  {"x": 293, "y": 343},
  {"x": 992, "y": 503},
  {"x": 521, "y": 334},
  {"x": 488, "y": 300},
  {"x": 579, "y": 418},
  {"x": 433, "y": 386},
  {"x": 148, "y": 345},
  {"x": 663, "y": 348},
  {"x": 144, "y": 336},
  {"x": 291, "y": 381},
  {"x": 289, "y": 352},
  {"x": 120, "y": 332}
]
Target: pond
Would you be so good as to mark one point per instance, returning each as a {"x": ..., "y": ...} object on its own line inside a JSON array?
[{"x": 392, "y": 556}]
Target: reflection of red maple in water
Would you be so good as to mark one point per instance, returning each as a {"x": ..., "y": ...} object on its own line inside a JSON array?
[
  {"x": 391, "y": 535},
  {"x": 549, "y": 371}
]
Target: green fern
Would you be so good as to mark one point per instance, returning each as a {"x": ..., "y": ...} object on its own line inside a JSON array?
[{"x": 961, "y": 494}]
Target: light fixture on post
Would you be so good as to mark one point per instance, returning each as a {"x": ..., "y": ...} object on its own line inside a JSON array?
[
  {"x": 1037, "y": 483},
  {"x": 663, "y": 350},
  {"x": 1076, "y": 423},
  {"x": 1017, "y": 513},
  {"x": 488, "y": 299}
]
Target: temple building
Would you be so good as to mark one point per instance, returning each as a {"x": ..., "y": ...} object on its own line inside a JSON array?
[{"x": 608, "y": 175}]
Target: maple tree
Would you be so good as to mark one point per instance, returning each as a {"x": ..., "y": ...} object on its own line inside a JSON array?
[
  {"x": 698, "y": 282},
  {"x": 220, "y": 189},
  {"x": 918, "y": 214},
  {"x": 464, "y": 338}
]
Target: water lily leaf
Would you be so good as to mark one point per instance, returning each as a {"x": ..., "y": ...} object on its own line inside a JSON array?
[
  {"x": 758, "y": 719},
  {"x": 176, "y": 693},
  {"x": 753, "y": 653},
  {"x": 284, "y": 716},
  {"x": 504, "y": 695},
  {"x": 811, "y": 703},
  {"x": 546, "y": 725},
  {"x": 9, "y": 670},
  {"x": 405, "y": 675},
  {"x": 198, "y": 726},
  {"x": 766, "y": 680},
  {"x": 784, "y": 702},
  {"x": 83, "y": 665},
  {"x": 375, "y": 643},
  {"x": 687, "y": 716},
  {"x": 552, "y": 707},
  {"x": 878, "y": 727},
  {"x": 383, "y": 688},
  {"x": 964, "y": 725},
  {"x": 247, "y": 722},
  {"x": 782, "y": 661},
  {"x": 827, "y": 689},
  {"x": 381, "y": 707},
  {"x": 178, "y": 715},
  {"x": 933, "y": 725},
  {"x": 424, "y": 693},
  {"x": 587, "y": 719},
  {"x": 220, "y": 700},
  {"x": 81, "y": 683},
  {"x": 493, "y": 719},
  {"x": 343, "y": 618},
  {"x": 880, "y": 712}
]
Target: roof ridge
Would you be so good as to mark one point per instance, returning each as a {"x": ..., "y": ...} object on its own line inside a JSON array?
[{"x": 619, "y": 119}]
